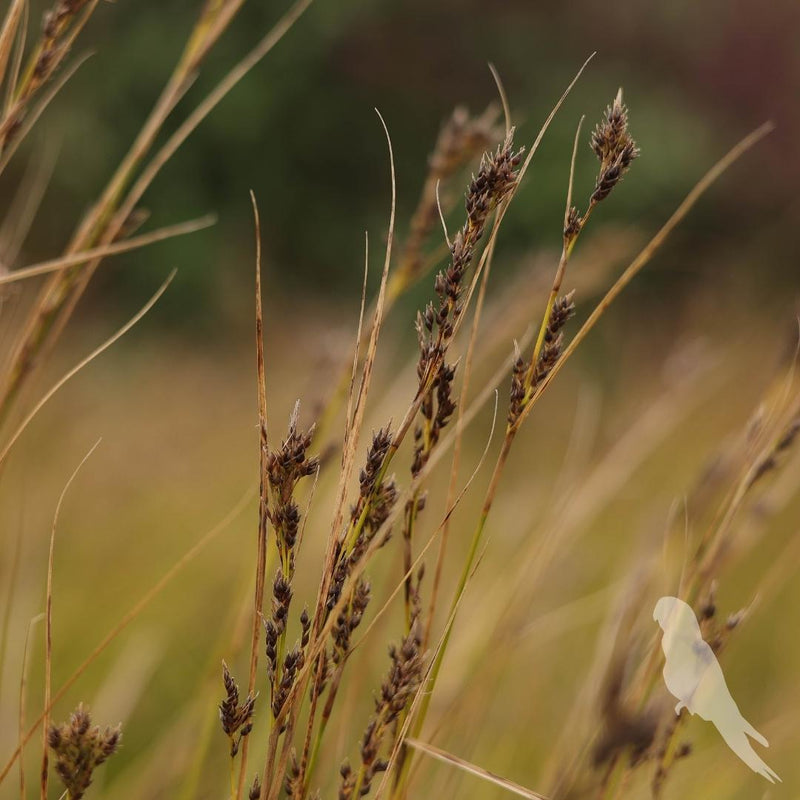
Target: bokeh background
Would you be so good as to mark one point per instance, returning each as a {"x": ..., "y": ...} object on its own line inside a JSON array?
[
  {"x": 302, "y": 133},
  {"x": 678, "y": 365}
]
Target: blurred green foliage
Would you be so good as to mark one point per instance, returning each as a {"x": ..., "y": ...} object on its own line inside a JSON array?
[{"x": 300, "y": 130}]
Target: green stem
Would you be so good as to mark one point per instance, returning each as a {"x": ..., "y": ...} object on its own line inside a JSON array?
[
  {"x": 477, "y": 537},
  {"x": 323, "y": 724},
  {"x": 411, "y": 518},
  {"x": 312, "y": 761}
]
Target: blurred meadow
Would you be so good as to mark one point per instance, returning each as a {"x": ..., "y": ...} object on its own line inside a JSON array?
[{"x": 659, "y": 460}]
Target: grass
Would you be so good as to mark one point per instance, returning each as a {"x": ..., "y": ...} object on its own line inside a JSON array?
[{"x": 532, "y": 644}]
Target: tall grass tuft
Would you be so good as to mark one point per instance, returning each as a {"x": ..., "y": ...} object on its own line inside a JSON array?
[{"x": 311, "y": 717}]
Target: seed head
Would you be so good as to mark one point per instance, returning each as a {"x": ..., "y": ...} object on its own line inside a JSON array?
[
  {"x": 614, "y": 147},
  {"x": 236, "y": 717},
  {"x": 79, "y": 749}
]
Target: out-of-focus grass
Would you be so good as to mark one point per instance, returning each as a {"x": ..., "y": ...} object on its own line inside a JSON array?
[
  {"x": 179, "y": 448},
  {"x": 305, "y": 119},
  {"x": 604, "y": 488}
]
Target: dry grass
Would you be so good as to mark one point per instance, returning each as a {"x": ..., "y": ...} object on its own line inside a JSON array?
[{"x": 346, "y": 515}]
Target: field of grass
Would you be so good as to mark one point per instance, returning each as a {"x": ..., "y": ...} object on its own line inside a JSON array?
[{"x": 473, "y": 467}]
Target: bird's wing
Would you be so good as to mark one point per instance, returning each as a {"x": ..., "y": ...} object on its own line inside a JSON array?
[
  {"x": 713, "y": 701},
  {"x": 711, "y": 697}
]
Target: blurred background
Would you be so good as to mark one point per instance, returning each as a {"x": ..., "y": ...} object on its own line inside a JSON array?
[
  {"x": 301, "y": 132},
  {"x": 677, "y": 366}
]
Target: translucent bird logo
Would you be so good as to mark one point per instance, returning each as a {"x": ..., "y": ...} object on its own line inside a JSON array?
[{"x": 693, "y": 675}]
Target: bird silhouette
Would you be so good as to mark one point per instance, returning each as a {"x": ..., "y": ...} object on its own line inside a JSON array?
[{"x": 693, "y": 675}]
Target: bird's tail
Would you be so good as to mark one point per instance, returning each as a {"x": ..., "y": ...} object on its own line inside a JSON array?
[
  {"x": 753, "y": 733},
  {"x": 736, "y": 739}
]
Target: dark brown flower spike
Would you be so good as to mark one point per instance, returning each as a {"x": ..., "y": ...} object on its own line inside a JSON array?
[
  {"x": 614, "y": 147},
  {"x": 79, "y": 749},
  {"x": 399, "y": 687},
  {"x": 236, "y": 717}
]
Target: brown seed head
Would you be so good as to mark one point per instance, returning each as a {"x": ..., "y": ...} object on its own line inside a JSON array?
[
  {"x": 79, "y": 749},
  {"x": 614, "y": 148},
  {"x": 236, "y": 717}
]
